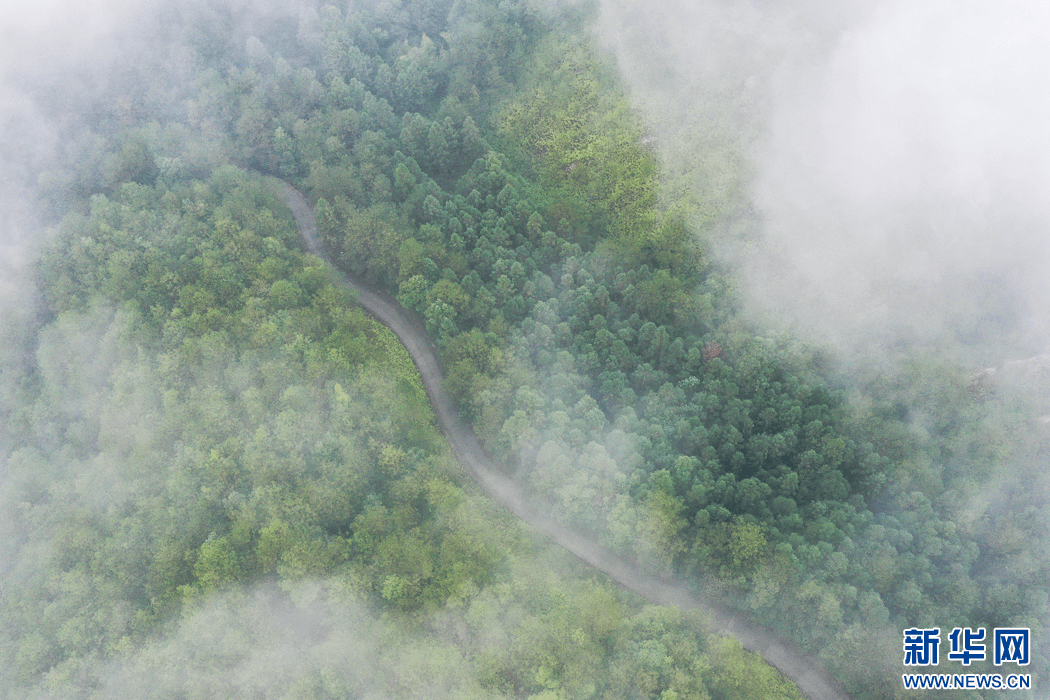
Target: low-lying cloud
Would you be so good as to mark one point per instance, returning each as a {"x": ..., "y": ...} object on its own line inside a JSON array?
[{"x": 897, "y": 157}]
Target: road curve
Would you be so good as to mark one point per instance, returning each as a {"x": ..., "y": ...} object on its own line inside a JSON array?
[{"x": 801, "y": 668}]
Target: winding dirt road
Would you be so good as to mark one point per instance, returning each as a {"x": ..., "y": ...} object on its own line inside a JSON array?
[{"x": 802, "y": 669}]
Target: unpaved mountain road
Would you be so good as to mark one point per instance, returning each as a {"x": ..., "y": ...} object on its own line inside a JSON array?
[{"x": 802, "y": 669}]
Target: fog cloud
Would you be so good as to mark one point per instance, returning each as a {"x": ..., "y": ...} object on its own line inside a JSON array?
[
  {"x": 897, "y": 157},
  {"x": 46, "y": 54},
  {"x": 308, "y": 642}
]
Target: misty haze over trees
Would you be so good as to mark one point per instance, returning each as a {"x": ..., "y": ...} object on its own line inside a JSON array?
[{"x": 220, "y": 477}]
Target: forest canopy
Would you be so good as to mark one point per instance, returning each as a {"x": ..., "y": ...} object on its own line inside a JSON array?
[{"x": 209, "y": 433}]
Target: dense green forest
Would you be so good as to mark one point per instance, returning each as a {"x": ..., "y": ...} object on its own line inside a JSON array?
[{"x": 210, "y": 432}]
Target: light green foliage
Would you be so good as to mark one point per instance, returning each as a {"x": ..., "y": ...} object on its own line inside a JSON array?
[
  {"x": 216, "y": 565},
  {"x": 584, "y": 141},
  {"x": 244, "y": 458},
  {"x": 740, "y": 675}
]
